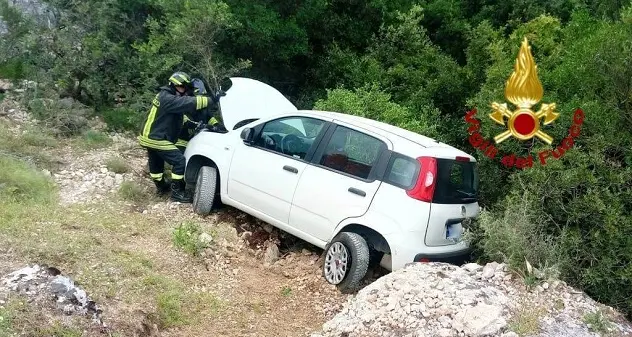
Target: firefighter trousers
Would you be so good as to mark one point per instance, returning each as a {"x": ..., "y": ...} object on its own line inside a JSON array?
[{"x": 156, "y": 161}]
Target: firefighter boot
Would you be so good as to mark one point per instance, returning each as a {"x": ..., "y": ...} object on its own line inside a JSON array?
[
  {"x": 178, "y": 192},
  {"x": 162, "y": 187}
]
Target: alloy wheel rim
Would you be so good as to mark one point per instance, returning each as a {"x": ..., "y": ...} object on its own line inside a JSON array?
[{"x": 336, "y": 262}]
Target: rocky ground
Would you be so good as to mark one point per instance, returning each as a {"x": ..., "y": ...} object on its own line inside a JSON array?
[
  {"x": 434, "y": 299},
  {"x": 269, "y": 283}
]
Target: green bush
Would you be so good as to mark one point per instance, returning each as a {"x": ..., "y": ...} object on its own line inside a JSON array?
[
  {"x": 371, "y": 102},
  {"x": 12, "y": 69},
  {"x": 123, "y": 119}
]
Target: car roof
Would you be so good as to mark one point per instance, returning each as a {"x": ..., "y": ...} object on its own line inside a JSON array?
[{"x": 381, "y": 127}]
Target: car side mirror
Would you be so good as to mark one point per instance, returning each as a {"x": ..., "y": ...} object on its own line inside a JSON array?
[{"x": 247, "y": 135}]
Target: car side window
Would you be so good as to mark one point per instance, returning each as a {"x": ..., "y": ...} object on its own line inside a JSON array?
[
  {"x": 352, "y": 152},
  {"x": 291, "y": 136}
]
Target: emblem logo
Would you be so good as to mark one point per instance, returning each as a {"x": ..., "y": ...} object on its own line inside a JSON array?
[{"x": 524, "y": 90}]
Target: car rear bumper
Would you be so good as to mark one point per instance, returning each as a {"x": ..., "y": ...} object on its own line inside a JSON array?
[
  {"x": 456, "y": 257},
  {"x": 406, "y": 248}
]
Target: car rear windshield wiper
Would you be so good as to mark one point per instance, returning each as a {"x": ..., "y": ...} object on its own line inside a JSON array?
[
  {"x": 467, "y": 193},
  {"x": 469, "y": 196}
]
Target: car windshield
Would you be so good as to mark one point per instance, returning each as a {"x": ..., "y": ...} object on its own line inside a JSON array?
[{"x": 303, "y": 128}]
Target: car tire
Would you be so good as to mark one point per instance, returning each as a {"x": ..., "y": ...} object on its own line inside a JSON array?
[
  {"x": 205, "y": 190},
  {"x": 350, "y": 248}
]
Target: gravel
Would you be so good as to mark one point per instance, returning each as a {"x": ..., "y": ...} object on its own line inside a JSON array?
[{"x": 437, "y": 299}]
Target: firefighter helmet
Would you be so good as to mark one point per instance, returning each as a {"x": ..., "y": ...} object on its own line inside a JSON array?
[{"x": 180, "y": 78}]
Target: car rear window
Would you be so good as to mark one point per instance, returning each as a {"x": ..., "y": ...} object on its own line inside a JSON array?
[{"x": 457, "y": 182}]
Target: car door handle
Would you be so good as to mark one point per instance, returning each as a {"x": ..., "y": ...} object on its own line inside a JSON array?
[
  {"x": 290, "y": 168},
  {"x": 357, "y": 191}
]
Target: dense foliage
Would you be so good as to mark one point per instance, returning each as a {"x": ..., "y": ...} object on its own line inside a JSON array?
[{"x": 416, "y": 64}]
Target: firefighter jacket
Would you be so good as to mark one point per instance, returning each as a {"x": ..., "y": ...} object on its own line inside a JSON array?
[
  {"x": 204, "y": 116},
  {"x": 166, "y": 116}
]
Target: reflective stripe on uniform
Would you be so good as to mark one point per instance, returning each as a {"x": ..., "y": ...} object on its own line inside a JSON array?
[
  {"x": 212, "y": 121},
  {"x": 174, "y": 80},
  {"x": 156, "y": 176},
  {"x": 151, "y": 117},
  {"x": 201, "y": 102},
  {"x": 182, "y": 142},
  {"x": 176, "y": 176},
  {"x": 156, "y": 144}
]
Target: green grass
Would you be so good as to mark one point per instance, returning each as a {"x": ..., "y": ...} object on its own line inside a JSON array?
[
  {"x": 176, "y": 304},
  {"x": 23, "y": 183},
  {"x": 95, "y": 140},
  {"x": 134, "y": 192},
  {"x": 102, "y": 254},
  {"x": 58, "y": 330},
  {"x": 117, "y": 165},
  {"x": 170, "y": 309},
  {"x": 186, "y": 238},
  {"x": 2, "y": 97},
  {"x": 286, "y": 291},
  {"x": 7, "y": 317}
]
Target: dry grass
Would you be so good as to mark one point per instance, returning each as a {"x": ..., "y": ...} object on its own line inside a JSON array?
[
  {"x": 30, "y": 146},
  {"x": 117, "y": 165},
  {"x": 526, "y": 320},
  {"x": 135, "y": 192}
]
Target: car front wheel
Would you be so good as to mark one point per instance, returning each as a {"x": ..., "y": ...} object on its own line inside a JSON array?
[
  {"x": 346, "y": 261},
  {"x": 205, "y": 189}
]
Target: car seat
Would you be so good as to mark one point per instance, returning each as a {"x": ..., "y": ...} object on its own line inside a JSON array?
[{"x": 335, "y": 157}]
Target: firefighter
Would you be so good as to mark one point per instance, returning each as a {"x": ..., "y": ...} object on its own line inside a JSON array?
[
  {"x": 161, "y": 129},
  {"x": 202, "y": 119}
]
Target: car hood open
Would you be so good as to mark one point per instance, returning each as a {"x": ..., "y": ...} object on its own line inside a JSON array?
[{"x": 249, "y": 99}]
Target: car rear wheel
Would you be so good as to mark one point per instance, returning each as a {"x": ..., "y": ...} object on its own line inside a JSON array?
[
  {"x": 205, "y": 189},
  {"x": 346, "y": 261}
]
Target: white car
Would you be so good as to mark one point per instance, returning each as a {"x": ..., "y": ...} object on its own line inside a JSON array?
[{"x": 366, "y": 192}]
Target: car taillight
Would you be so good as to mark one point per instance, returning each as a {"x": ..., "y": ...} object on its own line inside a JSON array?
[{"x": 427, "y": 180}]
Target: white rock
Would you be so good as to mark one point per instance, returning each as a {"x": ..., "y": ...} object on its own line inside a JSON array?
[
  {"x": 489, "y": 270},
  {"x": 472, "y": 267},
  {"x": 205, "y": 238},
  {"x": 483, "y": 319},
  {"x": 271, "y": 254}
]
